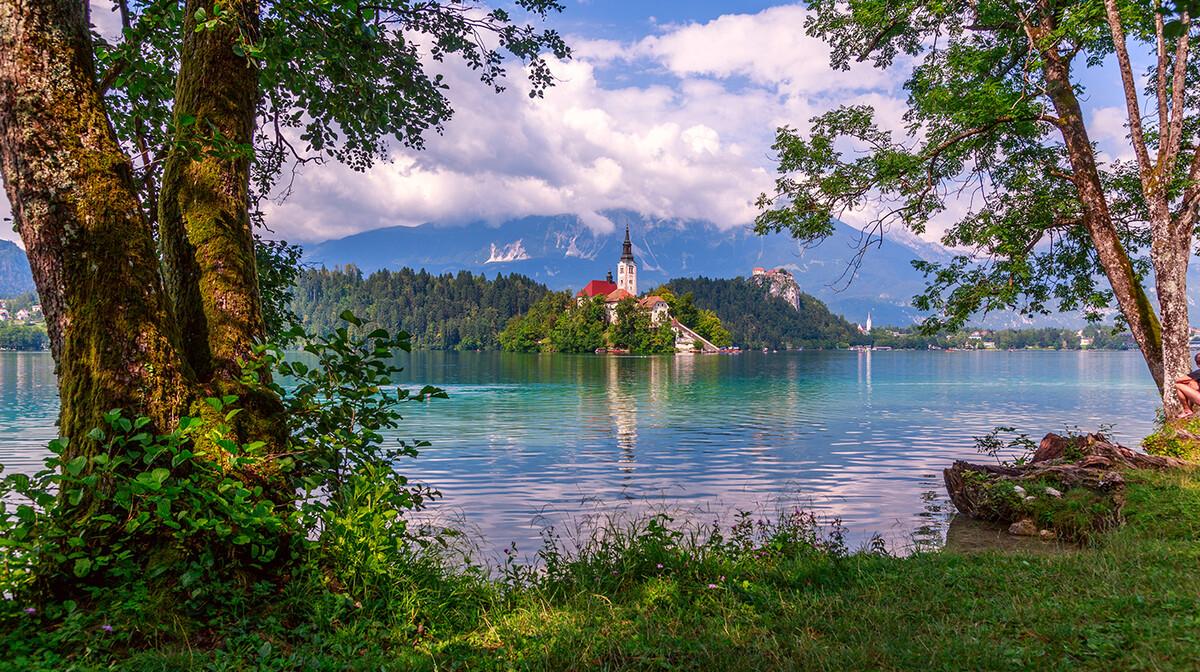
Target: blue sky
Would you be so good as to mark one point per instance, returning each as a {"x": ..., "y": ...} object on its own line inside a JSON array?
[{"x": 667, "y": 108}]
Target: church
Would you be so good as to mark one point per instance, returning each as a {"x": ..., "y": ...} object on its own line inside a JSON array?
[
  {"x": 626, "y": 286},
  {"x": 613, "y": 292}
]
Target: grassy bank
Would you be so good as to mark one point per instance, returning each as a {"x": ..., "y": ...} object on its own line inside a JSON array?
[{"x": 782, "y": 594}]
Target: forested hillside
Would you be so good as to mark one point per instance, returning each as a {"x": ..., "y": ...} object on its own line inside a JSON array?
[
  {"x": 15, "y": 277},
  {"x": 756, "y": 320},
  {"x": 442, "y": 312}
]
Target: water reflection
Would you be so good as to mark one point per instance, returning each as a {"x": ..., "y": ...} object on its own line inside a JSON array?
[{"x": 859, "y": 436}]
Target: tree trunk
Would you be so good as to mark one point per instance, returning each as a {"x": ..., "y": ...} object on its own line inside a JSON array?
[
  {"x": 112, "y": 331},
  {"x": 1127, "y": 288},
  {"x": 1091, "y": 462},
  {"x": 207, "y": 243},
  {"x": 204, "y": 225},
  {"x": 1170, "y": 253}
]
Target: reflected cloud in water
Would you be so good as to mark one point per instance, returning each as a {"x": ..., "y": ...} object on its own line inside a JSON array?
[{"x": 860, "y": 436}]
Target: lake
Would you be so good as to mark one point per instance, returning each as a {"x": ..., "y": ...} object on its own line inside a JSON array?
[{"x": 532, "y": 440}]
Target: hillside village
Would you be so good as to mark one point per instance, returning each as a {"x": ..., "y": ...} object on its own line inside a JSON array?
[{"x": 32, "y": 314}]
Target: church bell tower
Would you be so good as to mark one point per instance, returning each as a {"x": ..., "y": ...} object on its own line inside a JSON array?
[{"x": 627, "y": 268}]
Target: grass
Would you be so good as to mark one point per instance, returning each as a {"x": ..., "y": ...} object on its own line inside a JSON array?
[{"x": 648, "y": 594}]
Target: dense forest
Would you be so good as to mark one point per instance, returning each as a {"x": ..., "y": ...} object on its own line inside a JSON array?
[
  {"x": 441, "y": 312},
  {"x": 755, "y": 319},
  {"x": 467, "y": 312},
  {"x": 21, "y": 335}
]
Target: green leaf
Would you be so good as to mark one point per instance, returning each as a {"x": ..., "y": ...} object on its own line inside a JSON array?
[
  {"x": 83, "y": 566},
  {"x": 76, "y": 465},
  {"x": 348, "y": 316}
]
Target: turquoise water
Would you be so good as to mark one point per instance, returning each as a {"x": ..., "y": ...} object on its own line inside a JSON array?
[{"x": 531, "y": 440}]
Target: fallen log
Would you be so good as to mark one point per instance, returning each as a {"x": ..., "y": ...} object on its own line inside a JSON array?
[{"x": 1008, "y": 493}]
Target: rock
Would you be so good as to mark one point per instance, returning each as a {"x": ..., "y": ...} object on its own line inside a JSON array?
[
  {"x": 1020, "y": 490},
  {"x": 1054, "y": 447},
  {"x": 1112, "y": 479},
  {"x": 1053, "y": 493},
  {"x": 1030, "y": 498},
  {"x": 1047, "y": 535},
  {"x": 1024, "y": 527}
]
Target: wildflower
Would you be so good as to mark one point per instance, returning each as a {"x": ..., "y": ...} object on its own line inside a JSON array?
[
  {"x": 30, "y": 610},
  {"x": 106, "y": 627},
  {"x": 660, "y": 565},
  {"x": 712, "y": 585}
]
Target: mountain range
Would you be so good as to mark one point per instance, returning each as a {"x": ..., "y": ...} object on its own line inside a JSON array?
[{"x": 562, "y": 252}]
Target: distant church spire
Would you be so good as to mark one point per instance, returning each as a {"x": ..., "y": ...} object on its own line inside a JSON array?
[
  {"x": 609, "y": 278},
  {"x": 627, "y": 267},
  {"x": 627, "y": 251}
]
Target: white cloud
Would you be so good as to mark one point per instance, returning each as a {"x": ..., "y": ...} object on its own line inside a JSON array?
[
  {"x": 675, "y": 125},
  {"x": 666, "y": 152},
  {"x": 6, "y": 230},
  {"x": 597, "y": 223},
  {"x": 1110, "y": 128},
  {"x": 770, "y": 48}
]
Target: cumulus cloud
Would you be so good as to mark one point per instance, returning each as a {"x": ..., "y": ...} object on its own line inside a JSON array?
[
  {"x": 689, "y": 139},
  {"x": 1110, "y": 128},
  {"x": 677, "y": 124}
]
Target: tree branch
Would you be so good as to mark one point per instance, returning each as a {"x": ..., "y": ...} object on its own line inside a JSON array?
[
  {"x": 1178, "y": 83},
  {"x": 1161, "y": 40},
  {"x": 879, "y": 37},
  {"x": 1131, "y": 97}
]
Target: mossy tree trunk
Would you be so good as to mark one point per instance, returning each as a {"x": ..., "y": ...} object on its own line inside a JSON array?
[
  {"x": 112, "y": 330},
  {"x": 1097, "y": 217},
  {"x": 112, "y": 323},
  {"x": 205, "y": 231},
  {"x": 207, "y": 246}
]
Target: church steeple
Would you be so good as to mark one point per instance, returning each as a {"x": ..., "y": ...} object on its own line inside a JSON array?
[
  {"x": 627, "y": 267},
  {"x": 627, "y": 251}
]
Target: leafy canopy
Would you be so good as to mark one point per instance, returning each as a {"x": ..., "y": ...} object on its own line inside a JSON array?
[{"x": 981, "y": 132}]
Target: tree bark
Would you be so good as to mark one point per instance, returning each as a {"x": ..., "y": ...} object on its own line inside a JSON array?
[
  {"x": 204, "y": 225},
  {"x": 1169, "y": 252},
  {"x": 205, "y": 232},
  {"x": 1130, "y": 295},
  {"x": 112, "y": 330}
]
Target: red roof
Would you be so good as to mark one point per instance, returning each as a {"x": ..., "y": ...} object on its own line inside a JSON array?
[
  {"x": 597, "y": 288},
  {"x": 650, "y": 301},
  {"x": 617, "y": 295}
]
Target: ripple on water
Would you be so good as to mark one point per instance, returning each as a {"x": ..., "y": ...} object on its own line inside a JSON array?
[{"x": 529, "y": 440}]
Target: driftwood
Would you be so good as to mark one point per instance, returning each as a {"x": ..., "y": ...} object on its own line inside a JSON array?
[{"x": 986, "y": 491}]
